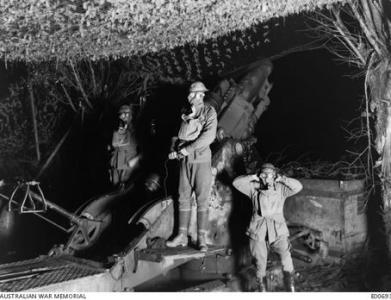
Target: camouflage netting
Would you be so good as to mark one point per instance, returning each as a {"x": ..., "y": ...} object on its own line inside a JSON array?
[
  {"x": 42, "y": 30},
  {"x": 97, "y": 85},
  {"x": 144, "y": 43}
]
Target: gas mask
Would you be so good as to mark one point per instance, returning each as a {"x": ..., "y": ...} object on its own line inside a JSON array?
[
  {"x": 196, "y": 99},
  {"x": 121, "y": 123},
  {"x": 267, "y": 179}
]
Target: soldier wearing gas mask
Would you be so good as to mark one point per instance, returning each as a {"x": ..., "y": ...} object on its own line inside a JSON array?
[
  {"x": 268, "y": 191},
  {"x": 196, "y": 133},
  {"x": 125, "y": 157}
]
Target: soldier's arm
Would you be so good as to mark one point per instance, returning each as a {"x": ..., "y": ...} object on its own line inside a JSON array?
[
  {"x": 116, "y": 141},
  {"x": 207, "y": 135},
  {"x": 246, "y": 184},
  {"x": 291, "y": 186}
]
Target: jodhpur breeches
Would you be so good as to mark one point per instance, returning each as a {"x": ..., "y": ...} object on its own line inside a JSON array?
[{"x": 281, "y": 246}]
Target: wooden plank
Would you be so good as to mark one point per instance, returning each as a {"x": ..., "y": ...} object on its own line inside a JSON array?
[
  {"x": 210, "y": 286},
  {"x": 158, "y": 255}
]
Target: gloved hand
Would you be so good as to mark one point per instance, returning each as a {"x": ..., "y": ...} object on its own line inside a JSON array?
[
  {"x": 178, "y": 154},
  {"x": 183, "y": 152},
  {"x": 255, "y": 181},
  {"x": 134, "y": 161},
  {"x": 280, "y": 178},
  {"x": 255, "y": 178},
  {"x": 173, "y": 155}
]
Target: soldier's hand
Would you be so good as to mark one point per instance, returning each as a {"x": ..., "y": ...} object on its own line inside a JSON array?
[
  {"x": 255, "y": 181},
  {"x": 255, "y": 178},
  {"x": 280, "y": 178},
  {"x": 173, "y": 155},
  {"x": 262, "y": 178},
  {"x": 134, "y": 161},
  {"x": 183, "y": 152}
]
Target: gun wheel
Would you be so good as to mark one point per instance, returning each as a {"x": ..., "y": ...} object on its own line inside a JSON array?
[{"x": 86, "y": 234}]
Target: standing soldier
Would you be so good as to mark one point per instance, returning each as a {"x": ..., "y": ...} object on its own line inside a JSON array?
[
  {"x": 197, "y": 132},
  {"x": 124, "y": 157},
  {"x": 268, "y": 191}
]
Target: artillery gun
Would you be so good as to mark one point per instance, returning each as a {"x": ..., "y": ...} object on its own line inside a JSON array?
[{"x": 141, "y": 255}]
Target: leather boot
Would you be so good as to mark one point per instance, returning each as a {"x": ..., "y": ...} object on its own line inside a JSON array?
[
  {"x": 180, "y": 240},
  {"x": 261, "y": 284},
  {"x": 202, "y": 224},
  {"x": 289, "y": 281},
  {"x": 202, "y": 242}
]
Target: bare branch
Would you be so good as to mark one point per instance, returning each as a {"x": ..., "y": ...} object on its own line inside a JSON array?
[
  {"x": 358, "y": 155},
  {"x": 54, "y": 96},
  {"x": 80, "y": 85},
  {"x": 346, "y": 35},
  {"x": 368, "y": 34},
  {"x": 68, "y": 98},
  {"x": 94, "y": 86}
]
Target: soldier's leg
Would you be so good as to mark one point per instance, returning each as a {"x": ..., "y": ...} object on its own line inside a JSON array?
[
  {"x": 114, "y": 176},
  {"x": 184, "y": 191},
  {"x": 125, "y": 175},
  {"x": 258, "y": 250},
  {"x": 202, "y": 187},
  {"x": 282, "y": 247}
]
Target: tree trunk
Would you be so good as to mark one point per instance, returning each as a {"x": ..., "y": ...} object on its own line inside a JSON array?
[{"x": 380, "y": 87}]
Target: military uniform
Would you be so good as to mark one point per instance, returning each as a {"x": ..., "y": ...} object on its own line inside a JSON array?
[
  {"x": 195, "y": 136},
  {"x": 267, "y": 225},
  {"x": 197, "y": 132},
  {"x": 124, "y": 149}
]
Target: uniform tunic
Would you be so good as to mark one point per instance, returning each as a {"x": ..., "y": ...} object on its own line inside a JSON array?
[
  {"x": 125, "y": 148},
  {"x": 268, "y": 223},
  {"x": 195, "y": 174}
]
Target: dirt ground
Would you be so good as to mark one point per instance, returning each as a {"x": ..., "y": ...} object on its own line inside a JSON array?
[{"x": 360, "y": 273}]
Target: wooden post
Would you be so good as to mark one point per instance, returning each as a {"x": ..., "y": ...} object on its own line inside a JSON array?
[
  {"x": 34, "y": 117},
  {"x": 49, "y": 160}
]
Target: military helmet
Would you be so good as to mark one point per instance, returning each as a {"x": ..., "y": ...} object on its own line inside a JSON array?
[
  {"x": 197, "y": 86},
  {"x": 268, "y": 166},
  {"x": 124, "y": 109}
]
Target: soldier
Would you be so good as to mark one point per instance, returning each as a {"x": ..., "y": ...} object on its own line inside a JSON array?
[
  {"x": 197, "y": 132},
  {"x": 268, "y": 191},
  {"x": 125, "y": 157}
]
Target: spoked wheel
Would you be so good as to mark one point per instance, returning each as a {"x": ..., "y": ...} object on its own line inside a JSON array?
[{"x": 87, "y": 233}]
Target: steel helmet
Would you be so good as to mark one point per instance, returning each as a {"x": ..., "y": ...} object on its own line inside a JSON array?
[
  {"x": 268, "y": 166},
  {"x": 124, "y": 109},
  {"x": 197, "y": 86}
]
